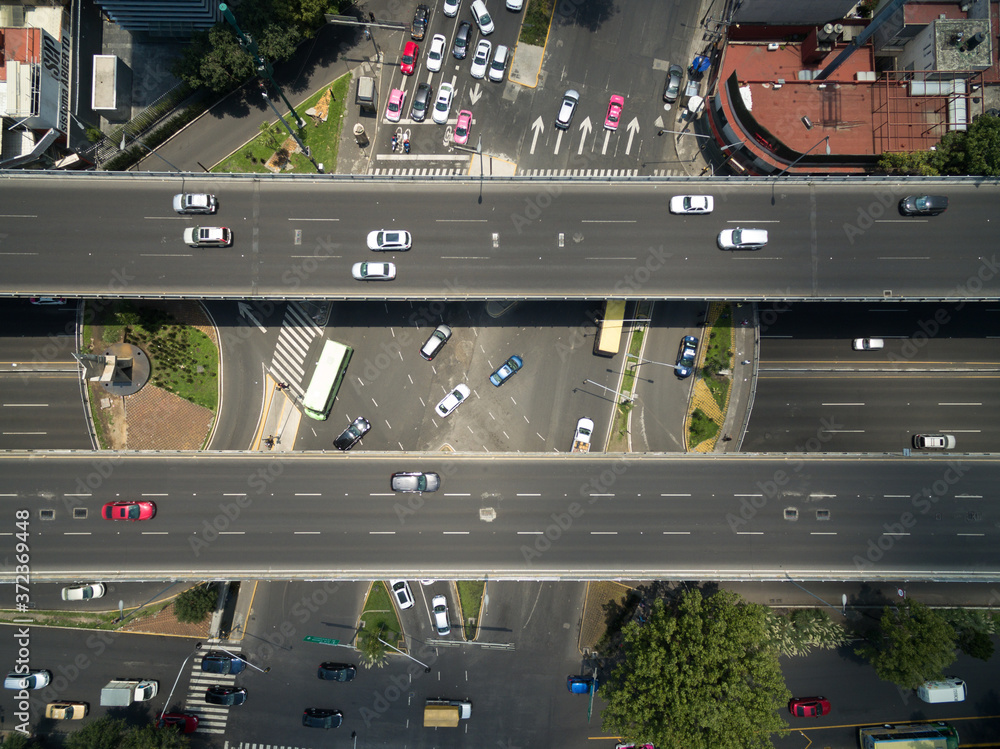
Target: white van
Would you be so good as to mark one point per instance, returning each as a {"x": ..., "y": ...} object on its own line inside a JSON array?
[{"x": 949, "y": 690}]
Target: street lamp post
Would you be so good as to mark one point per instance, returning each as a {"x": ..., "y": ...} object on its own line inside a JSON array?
[
  {"x": 427, "y": 669},
  {"x": 262, "y": 66},
  {"x": 826, "y": 138},
  {"x": 252, "y": 665},
  {"x": 197, "y": 647}
]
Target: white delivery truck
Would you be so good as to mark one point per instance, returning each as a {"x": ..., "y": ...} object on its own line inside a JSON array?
[{"x": 123, "y": 692}]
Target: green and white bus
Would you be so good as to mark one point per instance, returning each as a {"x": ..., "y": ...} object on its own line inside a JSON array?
[
  {"x": 326, "y": 380},
  {"x": 934, "y": 735}
]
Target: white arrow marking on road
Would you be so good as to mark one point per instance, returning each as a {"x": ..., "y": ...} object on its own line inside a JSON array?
[
  {"x": 245, "y": 311},
  {"x": 607, "y": 137},
  {"x": 559, "y": 134},
  {"x": 537, "y": 126},
  {"x": 475, "y": 94},
  {"x": 633, "y": 128},
  {"x": 585, "y": 128}
]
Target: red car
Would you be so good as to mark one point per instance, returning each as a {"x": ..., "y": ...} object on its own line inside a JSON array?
[
  {"x": 809, "y": 707},
  {"x": 410, "y": 53},
  {"x": 184, "y": 722},
  {"x": 128, "y": 511},
  {"x": 615, "y": 107}
]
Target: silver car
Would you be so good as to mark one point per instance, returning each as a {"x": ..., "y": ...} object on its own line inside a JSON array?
[
  {"x": 415, "y": 481},
  {"x": 435, "y": 342},
  {"x": 673, "y": 87},
  {"x": 195, "y": 202},
  {"x": 567, "y": 109}
]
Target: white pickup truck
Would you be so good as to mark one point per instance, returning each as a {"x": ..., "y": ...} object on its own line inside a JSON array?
[{"x": 581, "y": 440}]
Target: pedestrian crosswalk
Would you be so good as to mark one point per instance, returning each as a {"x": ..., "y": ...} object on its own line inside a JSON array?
[
  {"x": 298, "y": 332},
  {"x": 211, "y": 718},
  {"x": 248, "y": 745},
  {"x": 577, "y": 172},
  {"x": 419, "y": 171}
]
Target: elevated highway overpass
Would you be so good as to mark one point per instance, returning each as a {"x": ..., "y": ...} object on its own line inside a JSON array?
[{"x": 106, "y": 235}]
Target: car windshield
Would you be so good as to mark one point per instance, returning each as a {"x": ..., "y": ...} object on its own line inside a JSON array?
[
  {"x": 737, "y": 235},
  {"x": 132, "y": 511}
]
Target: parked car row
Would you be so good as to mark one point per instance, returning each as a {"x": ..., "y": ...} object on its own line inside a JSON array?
[{"x": 403, "y": 596}]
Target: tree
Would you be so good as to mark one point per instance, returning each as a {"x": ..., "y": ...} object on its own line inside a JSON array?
[
  {"x": 18, "y": 740},
  {"x": 912, "y": 644},
  {"x": 194, "y": 603},
  {"x": 975, "y": 643},
  {"x": 698, "y": 675},
  {"x": 974, "y": 152},
  {"x": 113, "y": 733},
  {"x": 371, "y": 650},
  {"x": 214, "y": 60}
]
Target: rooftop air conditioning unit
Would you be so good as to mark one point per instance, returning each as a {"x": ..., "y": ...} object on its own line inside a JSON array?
[{"x": 773, "y": 47}]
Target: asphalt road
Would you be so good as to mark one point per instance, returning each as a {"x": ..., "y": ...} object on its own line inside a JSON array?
[
  {"x": 299, "y": 238},
  {"x": 40, "y": 388},
  {"x": 388, "y": 382},
  {"x": 741, "y": 517},
  {"x": 937, "y": 374}
]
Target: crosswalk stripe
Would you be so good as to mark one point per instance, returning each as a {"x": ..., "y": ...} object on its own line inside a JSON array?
[{"x": 296, "y": 311}]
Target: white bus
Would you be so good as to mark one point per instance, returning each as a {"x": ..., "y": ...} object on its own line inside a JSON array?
[{"x": 326, "y": 380}]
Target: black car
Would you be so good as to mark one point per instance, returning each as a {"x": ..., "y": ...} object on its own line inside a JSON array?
[
  {"x": 221, "y": 662},
  {"x": 462, "y": 39},
  {"x": 228, "y": 696},
  {"x": 923, "y": 205},
  {"x": 336, "y": 671},
  {"x": 318, "y": 717},
  {"x": 423, "y": 98},
  {"x": 419, "y": 26},
  {"x": 353, "y": 434}
]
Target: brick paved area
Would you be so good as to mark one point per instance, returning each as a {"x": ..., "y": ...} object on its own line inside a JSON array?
[{"x": 156, "y": 419}]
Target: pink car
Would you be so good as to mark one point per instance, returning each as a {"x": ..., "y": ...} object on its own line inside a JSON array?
[
  {"x": 394, "y": 109},
  {"x": 615, "y": 107},
  {"x": 462, "y": 127}
]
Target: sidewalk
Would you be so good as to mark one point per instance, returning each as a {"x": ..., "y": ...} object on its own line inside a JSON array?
[
  {"x": 279, "y": 422},
  {"x": 741, "y": 397}
]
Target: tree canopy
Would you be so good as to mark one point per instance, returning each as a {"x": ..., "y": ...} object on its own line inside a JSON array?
[
  {"x": 699, "y": 674},
  {"x": 215, "y": 59},
  {"x": 114, "y": 733},
  {"x": 912, "y": 644},
  {"x": 194, "y": 604},
  {"x": 974, "y": 152}
]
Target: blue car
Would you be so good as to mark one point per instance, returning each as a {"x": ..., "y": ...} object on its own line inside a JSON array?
[
  {"x": 509, "y": 368},
  {"x": 685, "y": 356},
  {"x": 221, "y": 662},
  {"x": 580, "y": 684}
]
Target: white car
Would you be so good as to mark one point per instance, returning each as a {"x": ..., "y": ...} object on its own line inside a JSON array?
[
  {"x": 482, "y": 17},
  {"x": 401, "y": 593},
  {"x": 33, "y": 678},
  {"x": 83, "y": 592},
  {"x": 498, "y": 68},
  {"x": 934, "y": 441},
  {"x": 195, "y": 202},
  {"x": 439, "y": 604},
  {"x": 868, "y": 344},
  {"x": 442, "y": 106},
  {"x": 742, "y": 239},
  {"x": 373, "y": 271},
  {"x": 515, "y": 4},
  {"x": 451, "y": 7},
  {"x": 208, "y": 236},
  {"x": 388, "y": 241},
  {"x": 453, "y": 400},
  {"x": 435, "y": 55},
  {"x": 481, "y": 59},
  {"x": 692, "y": 204}
]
